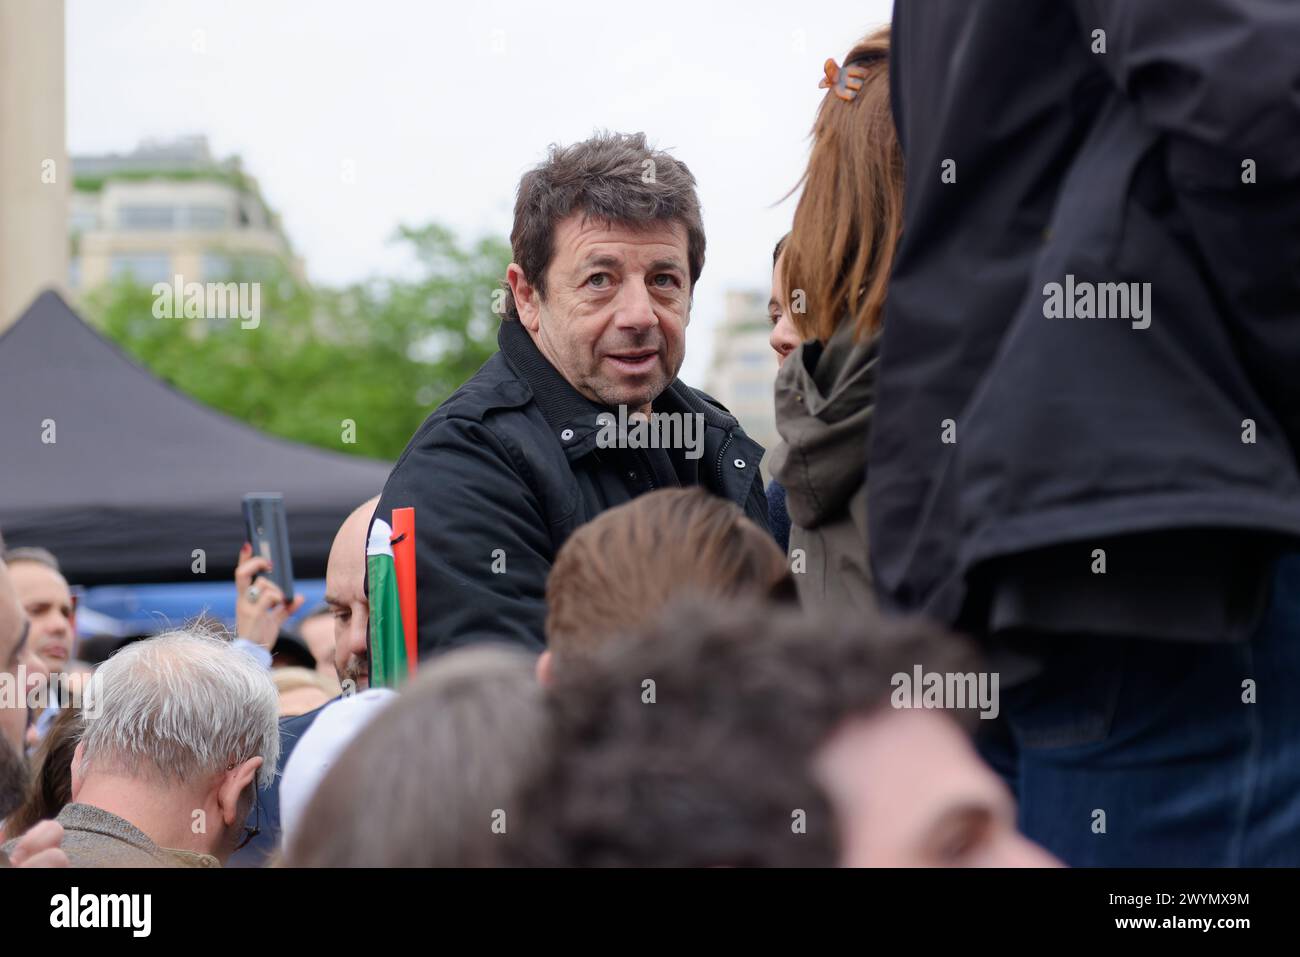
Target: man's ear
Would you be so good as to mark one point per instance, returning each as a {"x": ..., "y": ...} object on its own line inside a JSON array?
[
  {"x": 78, "y": 779},
  {"x": 527, "y": 299},
  {"x": 233, "y": 784},
  {"x": 543, "y": 668}
]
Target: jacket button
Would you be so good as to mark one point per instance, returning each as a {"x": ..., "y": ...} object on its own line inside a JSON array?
[
  {"x": 567, "y": 435},
  {"x": 739, "y": 463}
]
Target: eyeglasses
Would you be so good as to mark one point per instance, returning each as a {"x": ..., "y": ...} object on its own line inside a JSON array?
[
  {"x": 251, "y": 832},
  {"x": 256, "y": 829}
]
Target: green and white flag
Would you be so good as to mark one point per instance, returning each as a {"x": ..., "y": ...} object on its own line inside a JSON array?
[{"x": 388, "y": 662}]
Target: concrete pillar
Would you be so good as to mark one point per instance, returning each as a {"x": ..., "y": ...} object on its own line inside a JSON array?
[{"x": 35, "y": 178}]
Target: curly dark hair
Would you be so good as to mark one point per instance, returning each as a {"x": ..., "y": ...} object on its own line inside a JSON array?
[
  {"x": 606, "y": 178},
  {"x": 716, "y": 768}
]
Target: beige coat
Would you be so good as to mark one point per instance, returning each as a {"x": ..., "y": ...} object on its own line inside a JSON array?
[{"x": 92, "y": 837}]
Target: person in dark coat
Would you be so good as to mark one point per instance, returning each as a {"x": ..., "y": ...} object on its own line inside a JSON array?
[
  {"x": 1088, "y": 412},
  {"x": 581, "y": 409}
]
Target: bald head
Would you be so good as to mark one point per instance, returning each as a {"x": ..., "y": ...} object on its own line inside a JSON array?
[
  {"x": 348, "y": 553},
  {"x": 345, "y": 581}
]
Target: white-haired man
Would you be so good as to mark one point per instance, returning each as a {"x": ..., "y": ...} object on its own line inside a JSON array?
[{"x": 179, "y": 728}]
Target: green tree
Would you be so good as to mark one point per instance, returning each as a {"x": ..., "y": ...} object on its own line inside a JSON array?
[{"x": 382, "y": 353}]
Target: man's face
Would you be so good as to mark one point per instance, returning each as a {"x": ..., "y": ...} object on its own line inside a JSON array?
[
  {"x": 46, "y": 598},
  {"x": 345, "y": 579},
  {"x": 15, "y": 650},
  {"x": 910, "y": 791},
  {"x": 617, "y": 303}
]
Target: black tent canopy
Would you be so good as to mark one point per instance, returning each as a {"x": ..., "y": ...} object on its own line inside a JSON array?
[{"x": 139, "y": 475}]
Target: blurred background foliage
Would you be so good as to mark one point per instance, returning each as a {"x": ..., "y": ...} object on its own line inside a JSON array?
[{"x": 383, "y": 353}]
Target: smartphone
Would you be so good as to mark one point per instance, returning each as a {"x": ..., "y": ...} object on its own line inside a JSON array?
[{"x": 267, "y": 529}]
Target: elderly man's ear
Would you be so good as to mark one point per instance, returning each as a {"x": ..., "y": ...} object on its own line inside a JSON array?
[{"x": 233, "y": 784}]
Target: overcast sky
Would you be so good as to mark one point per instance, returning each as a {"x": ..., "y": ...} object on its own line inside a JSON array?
[{"x": 439, "y": 107}]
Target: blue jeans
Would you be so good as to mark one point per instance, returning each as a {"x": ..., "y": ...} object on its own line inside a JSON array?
[{"x": 1131, "y": 752}]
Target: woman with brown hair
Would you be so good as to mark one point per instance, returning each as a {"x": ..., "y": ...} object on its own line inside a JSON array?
[
  {"x": 51, "y": 784},
  {"x": 836, "y": 268}
]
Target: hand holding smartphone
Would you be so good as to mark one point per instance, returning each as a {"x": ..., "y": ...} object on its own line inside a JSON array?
[{"x": 267, "y": 530}]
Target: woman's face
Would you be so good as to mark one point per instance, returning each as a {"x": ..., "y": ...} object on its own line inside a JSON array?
[{"x": 783, "y": 338}]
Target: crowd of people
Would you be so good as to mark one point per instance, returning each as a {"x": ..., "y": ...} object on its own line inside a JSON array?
[{"x": 1018, "y": 591}]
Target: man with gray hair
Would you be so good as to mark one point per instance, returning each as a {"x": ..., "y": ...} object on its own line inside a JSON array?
[
  {"x": 179, "y": 729},
  {"x": 581, "y": 409}
]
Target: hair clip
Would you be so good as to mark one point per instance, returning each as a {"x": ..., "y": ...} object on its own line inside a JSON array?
[{"x": 846, "y": 82}]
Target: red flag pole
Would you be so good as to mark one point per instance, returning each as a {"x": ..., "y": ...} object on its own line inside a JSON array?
[{"x": 404, "y": 569}]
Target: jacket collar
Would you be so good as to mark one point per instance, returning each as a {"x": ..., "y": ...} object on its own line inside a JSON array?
[
  {"x": 563, "y": 406},
  {"x": 95, "y": 820},
  {"x": 824, "y": 406},
  {"x": 570, "y": 414}
]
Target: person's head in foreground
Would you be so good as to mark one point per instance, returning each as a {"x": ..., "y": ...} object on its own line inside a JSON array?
[
  {"x": 752, "y": 735},
  {"x": 432, "y": 781},
  {"x": 783, "y": 337},
  {"x": 48, "y": 601},
  {"x": 345, "y": 593},
  {"x": 319, "y": 748},
  {"x": 179, "y": 730},
  {"x": 621, "y": 569},
  {"x": 608, "y": 244},
  {"x": 850, "y": 214}
]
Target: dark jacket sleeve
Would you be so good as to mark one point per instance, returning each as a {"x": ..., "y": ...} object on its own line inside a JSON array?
[
  {"x": 1217, "y": 75},
  {"x": 1221, "y": 80},
  {"x": 482, "y": 546}
]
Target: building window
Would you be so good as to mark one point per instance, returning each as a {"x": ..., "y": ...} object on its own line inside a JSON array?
[
  {"x": 216, "y": 266},
  {"x": 205, "y": 217},
  {"x": 84, "y": 220},
  {"x": 146, "y": 217},
  {"x": 144, "y": 268},
  {"x": 249, "y": 266}
]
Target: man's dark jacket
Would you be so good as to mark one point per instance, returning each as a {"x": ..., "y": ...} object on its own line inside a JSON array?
[
  {"x": 265, "y": 814},
  {"x": 504, "y": 471},
  {"x": 1122, "y": 166}
]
